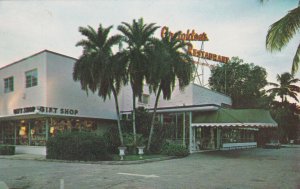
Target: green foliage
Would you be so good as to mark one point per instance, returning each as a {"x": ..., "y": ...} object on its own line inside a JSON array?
[
  {"x": 137, "y": 36},
  {"x": 243, "y": 82},
  {"x": 112, "y": 140},
  {"x": 284, "y": 114},
  {"x": 282, "y": 31},
  {"x": 172, "y": 149},
  {"x": 98, "y": 69},
  {"x": 7, "y": 150},
  {"x": 287, "y": 87},
  {"x": 83, "y": 146}
]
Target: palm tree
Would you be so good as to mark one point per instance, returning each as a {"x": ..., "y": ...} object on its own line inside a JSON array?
[
  {"x": 137, "y": 36},
  {"x": 169, "y": 63},
  {"x": 98, "y": 69},
  {"x": 286, "y": 87},
  {"x": 282, "y": 31}
]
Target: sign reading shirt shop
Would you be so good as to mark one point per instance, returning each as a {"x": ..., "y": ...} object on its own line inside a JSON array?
[{"x": 43, "y": 109}]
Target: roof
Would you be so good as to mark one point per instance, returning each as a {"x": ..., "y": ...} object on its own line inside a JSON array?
[
  {"x": 47, "y": 51},
  {"x": 234, "y": 118}
]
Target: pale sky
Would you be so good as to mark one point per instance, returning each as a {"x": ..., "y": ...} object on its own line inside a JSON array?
[{"x": 234, "y": 27}]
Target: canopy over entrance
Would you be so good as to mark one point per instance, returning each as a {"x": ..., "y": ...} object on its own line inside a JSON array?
[{"x": 248, "y": 118}]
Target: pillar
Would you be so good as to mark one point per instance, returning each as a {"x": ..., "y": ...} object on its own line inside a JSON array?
[
  {"x": 29, "y": 133},
  {"x": 212, "y": 138},
  {"x": 15, "y": 138},
  {"x": 192, "y": 134},
  {"x": 47, "y": 129},
  {"x": 218, "y": 138}
]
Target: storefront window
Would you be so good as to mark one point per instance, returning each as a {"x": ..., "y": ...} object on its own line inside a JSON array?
[
  {"x": 35, "y": 132},
  {"x": 238, "y": 135}
]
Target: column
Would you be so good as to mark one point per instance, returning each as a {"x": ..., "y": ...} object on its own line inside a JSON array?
[
  {"x": 29, "y": 133},
  {"x": 218, "y": 138},
  {"x": 192, "y": 136},
  {"x": 15, "y": 138},
  {"x": 47, "y": 129},
  {"x": 212, "y": 138}
]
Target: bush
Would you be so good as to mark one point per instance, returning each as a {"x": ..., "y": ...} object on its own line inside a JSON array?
[
  {"x": 83, "y": 146},
  {"x": 177, "y": 150},
  {"x": 112, "y": 140},
  {"x": 7, "y": 150}
]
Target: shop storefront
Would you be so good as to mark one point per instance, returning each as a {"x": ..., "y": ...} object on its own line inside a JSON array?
[
  {"x": 228, "y": 128},
  {"x": 35, "y": 132}
]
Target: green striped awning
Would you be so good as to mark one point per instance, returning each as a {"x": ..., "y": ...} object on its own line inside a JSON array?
[{"x": 233, "y": 118}]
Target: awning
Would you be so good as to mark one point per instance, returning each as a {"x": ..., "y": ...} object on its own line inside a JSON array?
[{"x": 244, "y": 118}]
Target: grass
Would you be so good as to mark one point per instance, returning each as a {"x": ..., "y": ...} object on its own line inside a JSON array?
[{"x": 137, "y": 157}]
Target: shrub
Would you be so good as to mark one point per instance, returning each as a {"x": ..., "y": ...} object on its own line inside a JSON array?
[
  {"x": 177, "y": 150},
  {"x": 7, "y": 150},
  {"x": 112, "y": 140},
  {"x": 83, "y": 146}
]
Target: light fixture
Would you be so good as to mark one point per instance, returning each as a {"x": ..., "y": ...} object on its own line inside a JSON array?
[
  {"x": 51, "y": 130},
  {"x": 22, "y": 131}
]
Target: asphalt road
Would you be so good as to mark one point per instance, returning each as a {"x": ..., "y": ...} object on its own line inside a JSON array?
[{"x": 243, "y": 169}]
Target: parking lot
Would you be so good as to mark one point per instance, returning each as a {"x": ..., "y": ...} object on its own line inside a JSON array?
[{"x": 240, "y": 169}]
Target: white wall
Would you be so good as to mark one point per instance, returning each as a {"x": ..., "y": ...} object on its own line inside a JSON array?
[
  {"x": 202, "y": 95},
  {"x": 56, "y": 88},
  {"x": 22, "y": 96},
  {"x": 192, "y": 95},
  {"x": 63, "y": 92}
]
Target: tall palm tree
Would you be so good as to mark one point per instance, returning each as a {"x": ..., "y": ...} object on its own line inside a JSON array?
[
  {"x": 137, "y": 36},
  {"x": 98, "y": 69},
  {"x": 282, "y": 31},
  {"x": 170, "y": 62},
  {"x": 286, "y": 87}
]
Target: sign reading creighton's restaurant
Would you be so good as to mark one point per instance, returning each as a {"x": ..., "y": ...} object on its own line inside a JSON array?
[
  {"x": 193, "y": 36},
  {"x": 43, "y": 109}
]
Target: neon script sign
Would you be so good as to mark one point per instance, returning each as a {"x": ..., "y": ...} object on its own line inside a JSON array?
[{"x": 193, "y": 36}]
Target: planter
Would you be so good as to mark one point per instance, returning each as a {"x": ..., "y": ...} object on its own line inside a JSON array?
[
  {"x": 141, "y": 151},
  {"x": 122, "y": 151}
]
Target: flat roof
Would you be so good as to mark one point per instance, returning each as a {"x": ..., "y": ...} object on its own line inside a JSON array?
[{"x": 35, "y": 54}]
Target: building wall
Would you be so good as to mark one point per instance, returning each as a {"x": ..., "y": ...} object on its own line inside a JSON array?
[
  {"x": 192, "y": 95},
  {"x": 22, "y": 96},
  {"x": 56, "y": 88},
  {"x": 63, "y": 92},
  {"x": 202, "y": 95}
]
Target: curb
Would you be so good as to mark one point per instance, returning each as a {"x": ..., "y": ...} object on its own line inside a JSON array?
[{"x": 89, "y": 162}]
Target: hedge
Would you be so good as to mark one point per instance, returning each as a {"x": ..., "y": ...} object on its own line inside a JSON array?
[
  {"x": 172, "y": 149},
  {"x": 82, "y": 146},
  {"x": 7, "y": 150}
]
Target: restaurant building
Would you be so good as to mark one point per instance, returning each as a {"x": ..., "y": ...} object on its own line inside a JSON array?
[{"x": 38, "y": 98}]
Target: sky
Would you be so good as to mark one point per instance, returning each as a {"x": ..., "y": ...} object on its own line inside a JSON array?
[{"x": 234, "y": 27}]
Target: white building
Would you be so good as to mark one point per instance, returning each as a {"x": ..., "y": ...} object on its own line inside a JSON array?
[{"x": 38, "y": 98}]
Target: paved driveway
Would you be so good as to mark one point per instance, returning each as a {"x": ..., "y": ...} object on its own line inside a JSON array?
[{"x": 245, "y": 169}]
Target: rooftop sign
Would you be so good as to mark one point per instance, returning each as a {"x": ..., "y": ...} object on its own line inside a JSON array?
[{"x": 193, "y": 36}]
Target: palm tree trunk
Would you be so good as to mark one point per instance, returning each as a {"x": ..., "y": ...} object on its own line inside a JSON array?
[
  {"x": 133, "y": 117},
  {"x": 118, "y": 116},
  {"x": 153, "y": 118}
]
